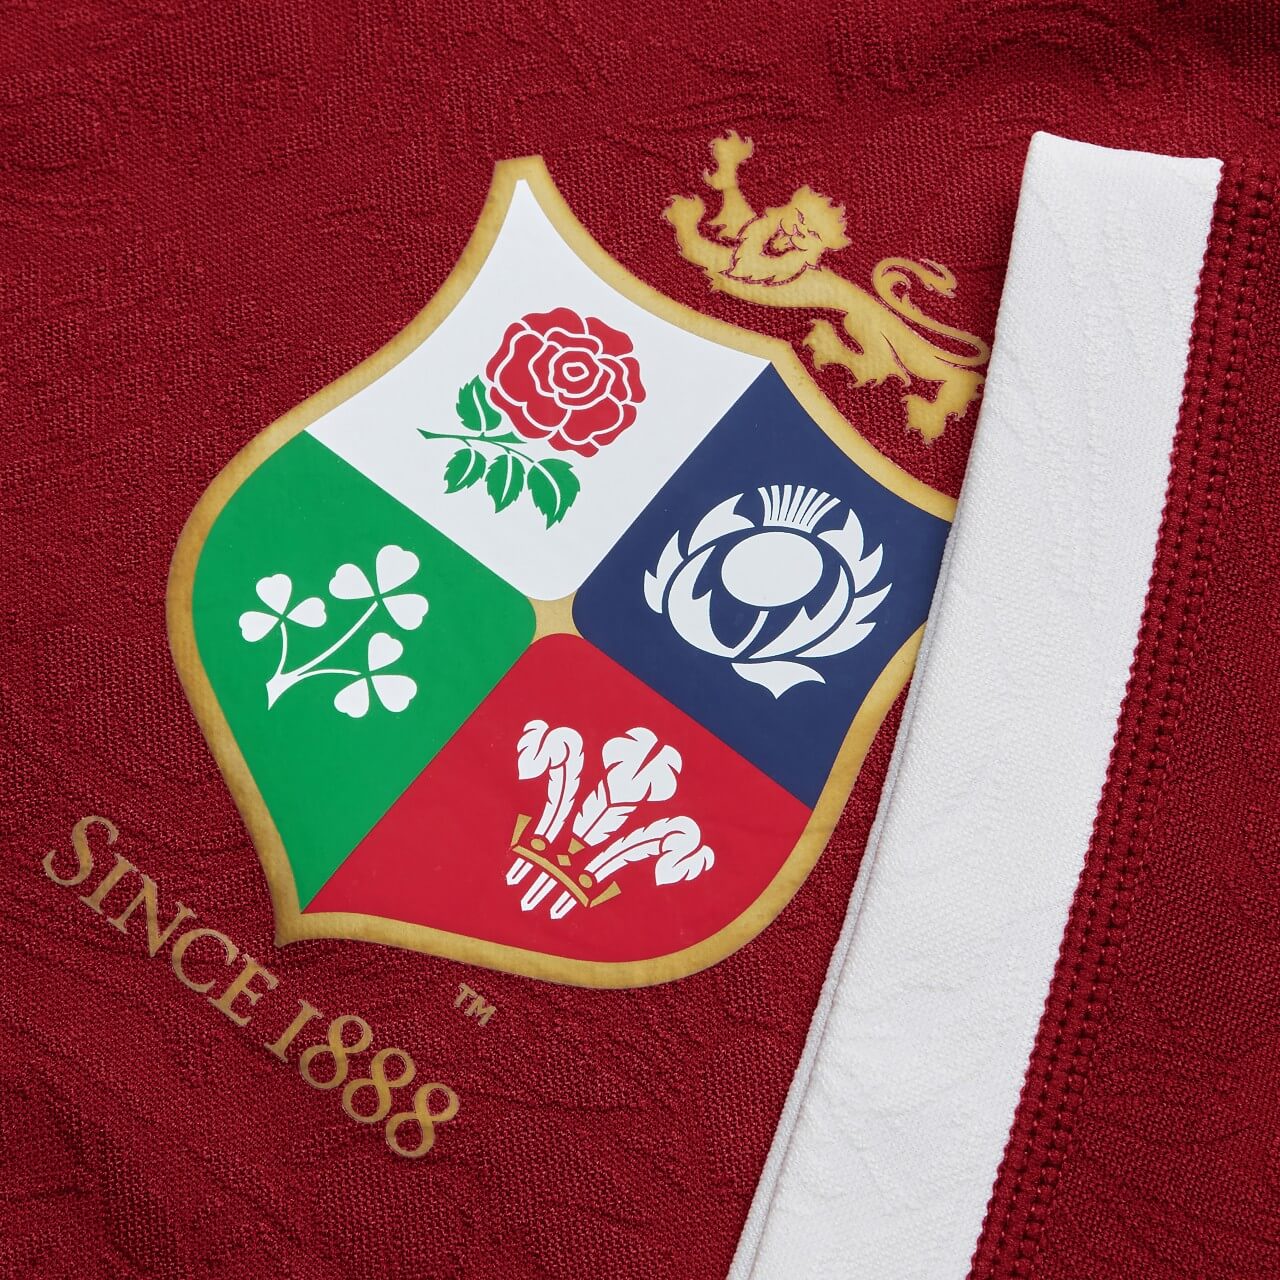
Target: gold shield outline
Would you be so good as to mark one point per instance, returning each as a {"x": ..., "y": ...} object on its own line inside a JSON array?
[{"x": 291, "y": 923}]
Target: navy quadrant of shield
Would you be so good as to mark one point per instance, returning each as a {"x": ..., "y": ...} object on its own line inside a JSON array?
[{"x": 767, "y": 586}]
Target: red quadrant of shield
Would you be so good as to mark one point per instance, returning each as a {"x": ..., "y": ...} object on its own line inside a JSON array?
[{"x": 441, "y": 854}]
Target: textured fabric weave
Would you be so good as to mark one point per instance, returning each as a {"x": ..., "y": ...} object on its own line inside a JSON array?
[
  {"x": 209, "y": 212},
  {"x": 1145, "y": 1143},
  {"x": 892, "y": 1138}
]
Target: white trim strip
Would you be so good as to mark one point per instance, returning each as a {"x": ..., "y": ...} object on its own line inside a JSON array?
[{"x": 896, "y": 1122}]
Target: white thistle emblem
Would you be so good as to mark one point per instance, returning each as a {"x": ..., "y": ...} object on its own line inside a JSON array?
[
  {"x": 638, "y": 770},
  {"x": 770, "y": 595}
]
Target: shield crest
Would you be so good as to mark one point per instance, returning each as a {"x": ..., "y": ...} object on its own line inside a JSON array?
[{"x": 552, "y": 637}]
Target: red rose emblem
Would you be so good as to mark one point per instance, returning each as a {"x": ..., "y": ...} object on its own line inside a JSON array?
[{"x": 566, "y": 380}]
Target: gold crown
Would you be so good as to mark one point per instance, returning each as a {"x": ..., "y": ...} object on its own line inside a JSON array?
[{"x": 560, "y": 865}]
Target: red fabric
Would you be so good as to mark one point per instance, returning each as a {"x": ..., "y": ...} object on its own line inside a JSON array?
[
  {"x": 1146, "y": 1139},
  {"x": 209, "y": 212}
]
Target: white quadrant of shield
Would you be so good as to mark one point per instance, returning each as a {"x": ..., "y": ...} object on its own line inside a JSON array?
[{"x": 690, "y": 383}]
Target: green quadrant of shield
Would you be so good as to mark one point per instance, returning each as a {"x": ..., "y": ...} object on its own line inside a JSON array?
[{"x": 325, "y": 777}]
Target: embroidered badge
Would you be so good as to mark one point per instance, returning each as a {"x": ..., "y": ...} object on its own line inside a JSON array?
[{"x": 552, "y": 637}]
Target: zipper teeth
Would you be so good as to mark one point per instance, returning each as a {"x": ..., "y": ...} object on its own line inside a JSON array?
[{"x": 1082, "y": 981}]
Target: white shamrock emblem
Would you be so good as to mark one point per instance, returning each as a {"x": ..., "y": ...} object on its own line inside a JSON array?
[
  {"x": 393, "y": 568},
  {"x": 276, "y": 592},
  {"x": 395, "y": 692}
]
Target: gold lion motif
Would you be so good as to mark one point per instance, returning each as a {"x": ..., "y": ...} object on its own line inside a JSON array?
[{"x": 774, "y": 258}]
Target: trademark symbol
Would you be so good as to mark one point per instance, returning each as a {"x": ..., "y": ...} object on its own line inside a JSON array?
[{"x": 476, "y": 1005}]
